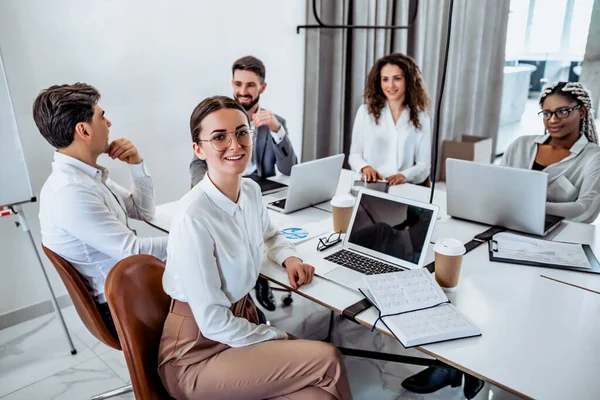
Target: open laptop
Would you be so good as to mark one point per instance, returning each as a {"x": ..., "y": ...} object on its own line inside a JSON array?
[
  {"x": 512, "y": 198},
  {"x": 310, "y": 183},
  {"x": 386, "y": 234}
]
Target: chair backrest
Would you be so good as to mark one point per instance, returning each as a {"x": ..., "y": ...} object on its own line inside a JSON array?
[
  {"x": 82, "y": 299},
  {"x": 139, "y": 307}
]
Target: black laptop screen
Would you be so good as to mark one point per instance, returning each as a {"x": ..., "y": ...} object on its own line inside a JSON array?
[{"x": 391, "y": 227}]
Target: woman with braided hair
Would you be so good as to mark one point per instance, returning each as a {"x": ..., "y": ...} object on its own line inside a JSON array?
[
  {"x": 391, "y": 133},
  {"x": 568, "y": 152}
]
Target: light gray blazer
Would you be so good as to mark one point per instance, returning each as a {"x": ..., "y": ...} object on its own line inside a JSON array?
[
  {"x": 265, "y": 154},
  {"x": 573, "y": 183}
]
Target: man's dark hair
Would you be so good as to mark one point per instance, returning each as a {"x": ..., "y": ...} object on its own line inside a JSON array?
[
  {"x": 250, "y": 63},
  {"x": 58, "y": 109}
]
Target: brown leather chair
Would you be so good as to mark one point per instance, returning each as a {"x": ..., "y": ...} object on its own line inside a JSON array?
[
  {"x": 86, "y": 309},
  {"x": 139, "y": 307}
]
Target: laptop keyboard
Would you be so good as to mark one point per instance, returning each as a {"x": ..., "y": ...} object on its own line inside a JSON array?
[
  {"x": 362, "y": 264},
  {"x": 279, "y": 203}
]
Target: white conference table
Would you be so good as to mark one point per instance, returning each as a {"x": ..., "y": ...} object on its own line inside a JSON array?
[
  {"x": 577, "y": 233},
  {"x": 539, "y": 337}
]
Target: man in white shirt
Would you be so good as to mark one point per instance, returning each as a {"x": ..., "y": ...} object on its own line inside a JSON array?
[
  {"x": 84, "y": 215},
  {"x": 272, "y": 146}
]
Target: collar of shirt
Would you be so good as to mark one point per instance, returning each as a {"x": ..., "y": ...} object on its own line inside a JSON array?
[
  {"x": 575, "y": 149},
  {"x": 404, "y": 117},
  {"x": 99, "y": 173},
  {"x": 222, "y": 201}
]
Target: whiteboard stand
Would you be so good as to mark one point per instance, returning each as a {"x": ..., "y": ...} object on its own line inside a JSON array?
[{"x": 22, "y": 223}]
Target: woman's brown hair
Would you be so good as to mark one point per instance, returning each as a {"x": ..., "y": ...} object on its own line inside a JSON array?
[
  {"x": 416, "y": 97},
  {"x": 208, "y": 106}
]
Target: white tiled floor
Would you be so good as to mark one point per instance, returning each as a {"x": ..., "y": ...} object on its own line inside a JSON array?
[{"x": 35, "y": 362}]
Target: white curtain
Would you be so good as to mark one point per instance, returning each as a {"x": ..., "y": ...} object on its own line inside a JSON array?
[
  {"x": 475, "y": 71},
  {"x": 473, "y": 91},
  {"x": 337, "y": 64}
]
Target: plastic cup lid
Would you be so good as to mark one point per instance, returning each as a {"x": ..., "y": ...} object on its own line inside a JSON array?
[
  {"x": 343, "y": 201},
  {"x": 449, "y": 247}
]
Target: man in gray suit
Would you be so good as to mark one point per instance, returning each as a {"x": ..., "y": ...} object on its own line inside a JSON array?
[{"x": 272, "y": 146}]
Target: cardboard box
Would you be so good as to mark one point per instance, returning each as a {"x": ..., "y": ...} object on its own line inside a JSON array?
[{"x": 470, "y": 148}]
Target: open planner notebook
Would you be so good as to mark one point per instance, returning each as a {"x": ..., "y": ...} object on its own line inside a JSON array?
[{"x": 415, "y": 309}]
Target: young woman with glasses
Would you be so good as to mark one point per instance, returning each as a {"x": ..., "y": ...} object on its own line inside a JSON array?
[
  {"x": 212, "y": 345},
  {"x": 568, "y": 152}
]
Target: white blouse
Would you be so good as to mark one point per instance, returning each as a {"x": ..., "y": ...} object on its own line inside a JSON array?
[
  {"x": 573, "y": 183},
  {"x": 214, "y": 256},
  {"x": 391, "y": 148}
]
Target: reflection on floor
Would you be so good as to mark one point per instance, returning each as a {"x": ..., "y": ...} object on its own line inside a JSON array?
[
  {"x": 530, "y": 124},
  {"x": 35, "y": 362}
]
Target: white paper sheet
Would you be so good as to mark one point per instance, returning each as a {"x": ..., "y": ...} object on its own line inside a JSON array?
[
  {"x": 398, "y": 292},
  {"x": 517, "y": 247}
]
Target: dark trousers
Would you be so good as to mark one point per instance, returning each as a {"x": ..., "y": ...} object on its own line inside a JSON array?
[{"x": 107, "y": 318}]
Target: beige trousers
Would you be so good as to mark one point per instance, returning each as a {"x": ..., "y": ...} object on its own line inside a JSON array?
[{"x": 193, "y": 367}]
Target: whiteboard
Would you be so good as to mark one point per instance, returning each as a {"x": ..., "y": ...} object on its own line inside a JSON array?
[{"x": 15, "y": 186}]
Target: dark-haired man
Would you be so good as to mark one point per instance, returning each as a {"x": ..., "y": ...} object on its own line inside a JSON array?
[
  {"x": 272, "y": 146},
  {"x": 84, "y": 215}
]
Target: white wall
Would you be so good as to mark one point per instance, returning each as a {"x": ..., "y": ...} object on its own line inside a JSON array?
[{"x": 152, "y": 61}]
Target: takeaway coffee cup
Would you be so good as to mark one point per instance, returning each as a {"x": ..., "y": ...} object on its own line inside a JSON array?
[
  {"x": 341, "y": 208},
  {"x": 448, "y": 260}
]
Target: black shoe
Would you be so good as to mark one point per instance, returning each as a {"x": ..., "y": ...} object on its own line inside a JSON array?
[
  {"x": 264, "y": 295},
  {"x": 432, "y": 379},
  {"x": 472, "y": 386},
  {"x": 262, "y": 319}
]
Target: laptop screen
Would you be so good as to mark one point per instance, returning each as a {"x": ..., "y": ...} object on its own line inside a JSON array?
[{"x": 391, "y": 227}]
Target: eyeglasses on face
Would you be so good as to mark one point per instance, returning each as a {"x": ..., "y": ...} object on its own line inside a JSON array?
[
  {"x": 221, "y": 141},
  {"x": 561, "y": 113}
]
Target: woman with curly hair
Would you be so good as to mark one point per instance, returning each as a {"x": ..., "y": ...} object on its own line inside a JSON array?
[
  {"x": 391, "y": 133},
  {"x": 568, "y": 152}
]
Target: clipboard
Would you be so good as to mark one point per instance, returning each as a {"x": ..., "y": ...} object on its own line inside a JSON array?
[{"x": 492, "y": 249}]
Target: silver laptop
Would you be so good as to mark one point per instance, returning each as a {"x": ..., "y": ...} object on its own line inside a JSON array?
[
  {"x": 386, "y": 234},
  {"x": 512, "y": 198},
  {"x": 310, "y": 183}
]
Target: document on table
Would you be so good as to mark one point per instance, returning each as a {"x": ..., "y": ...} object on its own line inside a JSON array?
[
  {"x": 511, "y": 246},
  {"x": 298, "y": 233},
  {"x": 399, "y": 292},
  {"x": 415, "y": 309}
]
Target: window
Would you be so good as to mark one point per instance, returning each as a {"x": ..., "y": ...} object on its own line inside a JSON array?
[
  {"x": 548, "y": 29},
  {"x": 580, "y": 24}
]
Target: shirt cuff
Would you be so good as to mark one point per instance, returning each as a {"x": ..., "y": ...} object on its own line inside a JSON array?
[
  {"x": 138, "y": 170},
  {"x": 279, "y": 135},
  {"x": 280, "y": 256},
  {"x": 410, "y": 177},
  {"x": 280, "y": 334},
  {"x": 361, "y": 165}
]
